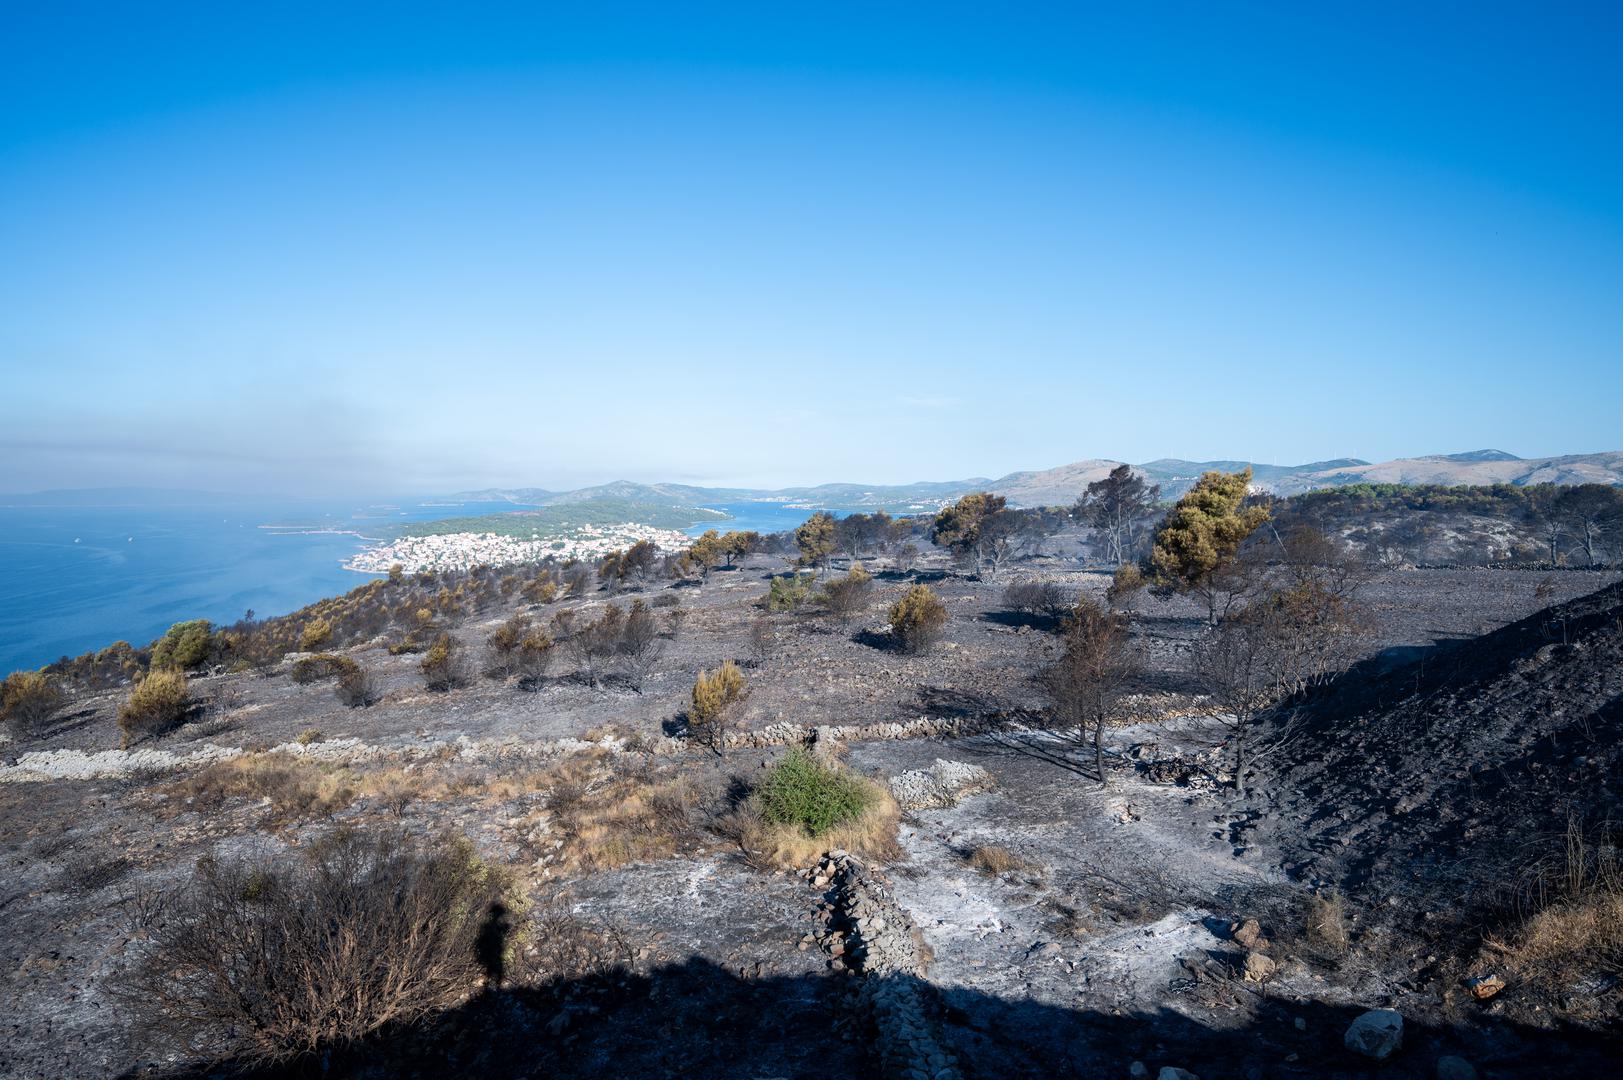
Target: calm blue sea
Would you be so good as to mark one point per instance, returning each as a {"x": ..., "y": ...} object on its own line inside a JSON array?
[
  {"x": 761, "y": 517},
  {"x": 75, "y": 578}
]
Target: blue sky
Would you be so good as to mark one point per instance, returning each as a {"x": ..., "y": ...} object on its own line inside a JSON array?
[{"x": 280, "y": 248}]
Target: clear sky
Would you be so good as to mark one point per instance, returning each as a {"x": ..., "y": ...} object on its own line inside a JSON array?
[{"x": 328, "y": 248}]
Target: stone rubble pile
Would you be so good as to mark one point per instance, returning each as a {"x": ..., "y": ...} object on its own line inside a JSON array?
[
  {"x": 869, "y": 934},
  {"x": 943, "y": 784}
]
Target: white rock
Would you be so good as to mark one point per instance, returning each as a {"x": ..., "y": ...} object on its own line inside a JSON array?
[{"x": 1377, "y": 1034}]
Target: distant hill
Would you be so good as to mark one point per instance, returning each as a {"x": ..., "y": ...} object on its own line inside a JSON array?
[
  {"x": 1478, "y": 467},
  {"x": 1482, "y": 455},
  {"x": 899, "y": 498},
  {"x": 1053, "y": 487},
  {"x": 566, "y": 517},
  {"x": 1064, "y": 484}
]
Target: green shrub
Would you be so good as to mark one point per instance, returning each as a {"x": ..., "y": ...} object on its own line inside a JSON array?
[
  {"x": 917, "y": 618},
  {"x": 309, "y": 669},
  {"x": 804, "y": 792},
  {"x": 27, "y": 700},
  {"x": 317, "y": 632},
  {"x": 158, "y": 703},
  {"x": 788, "y": 591},
  {"x": 184, "y": 646}
]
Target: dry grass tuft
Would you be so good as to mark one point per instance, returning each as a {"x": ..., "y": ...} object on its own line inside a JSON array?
[
  {"x": 297, "y": 790},
  {"x": 596, "y": 818},
  {"x": 1570, "y": 940},
  {"x": 995, "y": 859},
  {"x": 1326, "y": 924},
  {"x": 1573, "y": 932}
]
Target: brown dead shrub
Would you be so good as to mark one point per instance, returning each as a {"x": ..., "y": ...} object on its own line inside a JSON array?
[
  {"x": 309, "y": 669},
  {"x": 442, "y": 666},
  {"x": 281, "y": 959},
  {"x": 357, "y": 688}
]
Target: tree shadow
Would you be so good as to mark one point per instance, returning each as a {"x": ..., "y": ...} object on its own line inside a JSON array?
[
  {"x": 959, "y": 704},
  {"x": 873, "y": 639},
  {"x": 697, "y": 1018},
  {"x": 67, "y": 723},
  {"x": 1047, "y": 623},
  {"x": 1041, "y": 746}
]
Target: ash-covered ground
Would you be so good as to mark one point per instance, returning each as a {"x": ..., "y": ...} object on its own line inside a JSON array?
[{"x": 1060, "y": 927}]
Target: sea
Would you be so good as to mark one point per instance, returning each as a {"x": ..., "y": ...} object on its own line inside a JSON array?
[{"x": 77, "y": 578}]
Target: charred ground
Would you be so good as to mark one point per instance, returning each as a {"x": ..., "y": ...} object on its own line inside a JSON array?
[{"x": 1059, "y": 926}]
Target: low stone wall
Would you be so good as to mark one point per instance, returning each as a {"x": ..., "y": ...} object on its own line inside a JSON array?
[
  {"x": 872, "y": 936},
  {"x": 1134, "y": 709},
  {"x": 38, "y": 766}
]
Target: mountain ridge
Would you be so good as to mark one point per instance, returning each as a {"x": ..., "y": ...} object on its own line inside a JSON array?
[{"x": 1064, "y": 484}]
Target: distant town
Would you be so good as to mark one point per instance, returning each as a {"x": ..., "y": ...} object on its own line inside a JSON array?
[{"x": 465, "y": 550}]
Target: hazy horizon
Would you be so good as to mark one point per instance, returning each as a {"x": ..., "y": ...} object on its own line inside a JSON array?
[
  {"x": 654, "y": 478},
  {"x": 399, "y": 251}
]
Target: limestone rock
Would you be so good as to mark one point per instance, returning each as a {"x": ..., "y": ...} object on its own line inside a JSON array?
[
  {"x": 1247, "y": 934},
  {"x": 1376, "y": 1034},
  {"x": 941, "y": 785},
  {"x": 1259, "y": 967}
]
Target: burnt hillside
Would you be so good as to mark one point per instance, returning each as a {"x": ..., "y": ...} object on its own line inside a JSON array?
[{"x": 1452, "y": 773}]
